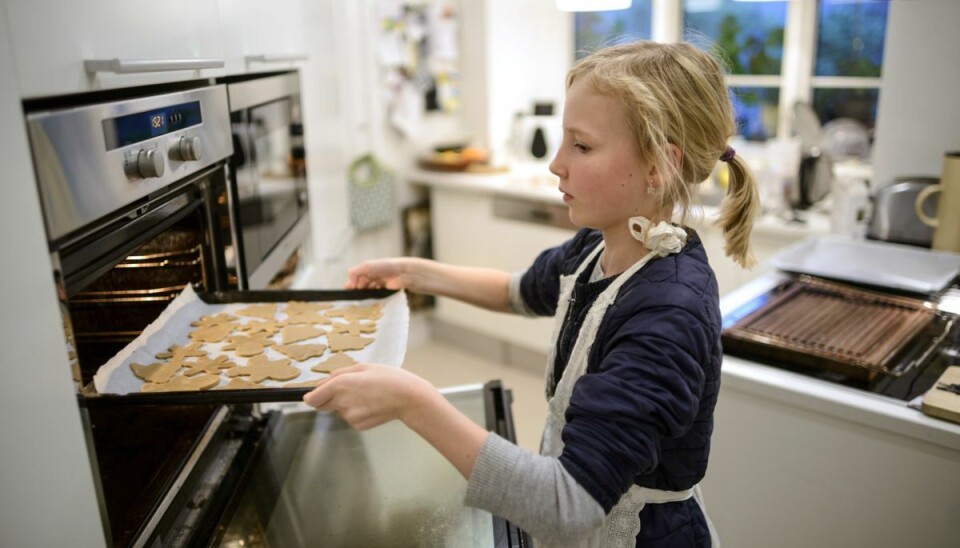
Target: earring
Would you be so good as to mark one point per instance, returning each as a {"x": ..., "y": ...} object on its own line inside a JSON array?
[{"x": 651, "y": 189}]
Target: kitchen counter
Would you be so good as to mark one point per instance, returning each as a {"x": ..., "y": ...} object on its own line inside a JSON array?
[{"x": 813, "y": 463}]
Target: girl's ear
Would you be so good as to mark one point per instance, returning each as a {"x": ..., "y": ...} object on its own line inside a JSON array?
[{"x": 675, "y": 155}]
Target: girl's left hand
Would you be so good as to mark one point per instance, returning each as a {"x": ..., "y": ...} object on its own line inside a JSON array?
[{"x": 368, "y": 395}]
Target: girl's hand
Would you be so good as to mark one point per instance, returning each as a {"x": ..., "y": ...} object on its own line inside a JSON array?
[
  {"x": 378, "y": 274},
  {"x": 368, "y": 395}
]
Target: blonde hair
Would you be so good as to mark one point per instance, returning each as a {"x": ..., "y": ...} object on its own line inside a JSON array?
[{"x": 675, "y": 94}]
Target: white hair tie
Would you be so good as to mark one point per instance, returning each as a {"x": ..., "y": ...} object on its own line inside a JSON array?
[{"x": 662, "y": 238}]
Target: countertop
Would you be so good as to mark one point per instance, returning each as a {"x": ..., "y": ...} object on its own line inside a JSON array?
[
  {"x": 819, "y": 396},
  {"x": 541, "y": 186}
]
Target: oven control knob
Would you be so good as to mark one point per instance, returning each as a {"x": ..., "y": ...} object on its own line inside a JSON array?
[
  {"x": 145, "y": 164},
  {"x": 188, "y": 149}
]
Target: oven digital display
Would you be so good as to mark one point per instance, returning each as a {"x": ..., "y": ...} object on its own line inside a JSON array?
[{"x": 134, "y": 128}]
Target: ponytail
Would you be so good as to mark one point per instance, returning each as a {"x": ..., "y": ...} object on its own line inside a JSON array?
[{"x": 738, "y": 210}]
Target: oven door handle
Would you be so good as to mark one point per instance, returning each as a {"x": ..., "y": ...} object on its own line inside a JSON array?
[{"x": 133, "y": 66}]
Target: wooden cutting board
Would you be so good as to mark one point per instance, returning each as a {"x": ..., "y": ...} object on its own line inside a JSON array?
[{"x": 941, "y": 403}]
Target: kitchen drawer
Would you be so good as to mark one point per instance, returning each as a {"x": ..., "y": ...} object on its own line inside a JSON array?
[{"x": 51, "y": 40}]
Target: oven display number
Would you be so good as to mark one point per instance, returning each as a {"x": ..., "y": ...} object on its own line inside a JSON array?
[{"x": 141, "y": 126}]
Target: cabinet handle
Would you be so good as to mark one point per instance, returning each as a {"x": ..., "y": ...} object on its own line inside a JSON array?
[
  {"x": 133, "y": 66},
  {"x": 277, "y": 57}
]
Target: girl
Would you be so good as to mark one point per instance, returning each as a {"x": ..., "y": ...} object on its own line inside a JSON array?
[{"x": 634, "y": 370}]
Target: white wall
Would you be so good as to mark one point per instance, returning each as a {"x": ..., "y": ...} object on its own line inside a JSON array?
[
  {"x": 47, "y": 495},
  {"x": 918, "y": 117}
]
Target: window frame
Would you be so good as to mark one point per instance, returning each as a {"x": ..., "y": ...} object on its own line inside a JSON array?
[{"x": 796, "y": 80}]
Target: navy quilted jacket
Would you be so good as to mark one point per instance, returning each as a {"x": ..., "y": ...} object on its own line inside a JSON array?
[{"x": 643, "y": 412}]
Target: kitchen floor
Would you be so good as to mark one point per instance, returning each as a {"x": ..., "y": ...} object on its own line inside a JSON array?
[{"x": 445, "y": 364}]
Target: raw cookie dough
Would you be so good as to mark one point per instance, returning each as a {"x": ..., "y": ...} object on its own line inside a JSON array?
[
  {"x": 340, "y": 342},
  {"x": 260, "y": 368},
  {"x": 301, "y": 352},
  {"x": 295, "y": 333},
  {"x": 155, "y": 372},
  {"x": 300, "y": 307},
  {"x": 353, "y": 327},
  {"x": 264, "y": 311},
  {"x": 216, "y": 319},
  {"x": 307, "y": 317},
  {"x": 302, "y": 384},
  {"x": 181, "y": 383},
  {"x": 212, "y": 333},
  {"x": 246, "y": 346},
  {"x": 239, "y": 384},
  {"x": 206, "y": 365},
  {"x": 270, "y": 327},
  {"x": 338, "y": 361},
  {"x": 179, "y": 353},
  {"x": 370, "y": 313}
]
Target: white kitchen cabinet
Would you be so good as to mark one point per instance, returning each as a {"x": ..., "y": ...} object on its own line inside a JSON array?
[
  {"x": 51, "y": 40},
  {"x": 466, "y": 232},
  {"x": 263, "y": 36}
]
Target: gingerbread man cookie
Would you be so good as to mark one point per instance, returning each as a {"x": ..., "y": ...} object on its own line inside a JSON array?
[
  {"x": 301, "y": 352},
  {"x": 206, "y": 365},
  {"x": 264, "y": 311},
  {"x": 370, "y": 313},
  {"x": 260, "y": 368},
  {"x": 216, "y": 319},
  {"x": 270, "y": 327},
  {"x": 300, "y": 307},
  {"x": 212, "y": 333},
  {"x": 307, "y": 318},
  {"x": 246, "y": 346},
  {"x": 239, "y": 384},
  {"x": 179, "y": 353},
  {"x": 353, "y": 327},
  {"x": 181, "y": 383}
]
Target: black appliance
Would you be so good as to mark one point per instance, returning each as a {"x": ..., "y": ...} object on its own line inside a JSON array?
[
  {"x": 268, "y": 177},
  {"x": 134, "y": 190}
]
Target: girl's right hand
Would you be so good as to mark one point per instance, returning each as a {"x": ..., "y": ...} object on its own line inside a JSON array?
[{"x": 379, "y": 274}]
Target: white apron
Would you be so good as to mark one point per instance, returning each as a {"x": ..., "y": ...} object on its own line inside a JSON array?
[{"x": 622, "y": 525}]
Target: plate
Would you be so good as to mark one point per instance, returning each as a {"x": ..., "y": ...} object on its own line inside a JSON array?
[{"x": 879, "y": 264}]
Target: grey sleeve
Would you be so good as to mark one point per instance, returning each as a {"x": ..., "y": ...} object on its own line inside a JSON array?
[
  {"x": 515, "y": 300},
  {"x": 533, "y": 492}
]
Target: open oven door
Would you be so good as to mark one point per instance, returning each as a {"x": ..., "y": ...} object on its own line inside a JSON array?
[{"x": 318, "y": 482}]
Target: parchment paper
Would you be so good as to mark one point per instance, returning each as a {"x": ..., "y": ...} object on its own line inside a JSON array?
[{"x": 172, "y": 327}]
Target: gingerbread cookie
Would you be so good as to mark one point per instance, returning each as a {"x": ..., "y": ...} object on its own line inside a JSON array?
[
  {"x": 206, "y": 365},
  {"x": 264, "y": 311},
  {"x": 270, "y": 327},
  {"x": 181, "y": 383},
  {"x": 301, "y": 352},
  {"x": 212, "y": 333},
  {"x": 296, "y": 333},
  {"x": 340, "y": 342},
  {"x": 372, "y": 312},
  {"x": 353, "y": 327},
  {"x": 246, "y": 346},
  {"x": 155, "y": 372},
  {"x": 179, "y": 353},
  {"x": 307, "y": 318},
  {"x": 338, "y": 361},
  {"x": 260, "y": 368},
  {"x": 239, "y": 384},
  {"x": 216, "y": 319}
]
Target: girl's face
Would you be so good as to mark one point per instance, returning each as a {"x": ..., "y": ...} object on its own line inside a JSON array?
[{"x": 603, "y": 180}]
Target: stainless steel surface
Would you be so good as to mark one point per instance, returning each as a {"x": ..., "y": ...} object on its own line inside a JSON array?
[
  {"x": 144, "y": 164},
  {"x": 255, "y": 92},
  {"x": 277, "y": 58},
  {"x": 894, "y": 218},
  {"x": 331, "y": 485},
  {"x": 189, "y": 149},
  {"x": 178, "y": 482},
  {"x": 265, "y": 271},
  {"x": 80, "y": 180},
  {"x": 518, "y": 209},
  {"x": 133, "y": 66}
]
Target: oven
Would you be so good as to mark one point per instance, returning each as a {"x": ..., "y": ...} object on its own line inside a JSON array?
[{"x": 267, "y": 178}]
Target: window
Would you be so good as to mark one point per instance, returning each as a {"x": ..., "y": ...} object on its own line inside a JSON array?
[
  {"x": 825, "y": 52},
  {"x": 596, "y": 29}
]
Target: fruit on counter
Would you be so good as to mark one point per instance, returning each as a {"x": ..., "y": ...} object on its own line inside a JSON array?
[{"x": 463, "y": 155}]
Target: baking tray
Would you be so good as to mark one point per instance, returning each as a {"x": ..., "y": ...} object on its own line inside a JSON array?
[
  {"x": 829, "y": 326},
  {"x": 879, "y": 264},
  {"x": 89, "y": 396}
]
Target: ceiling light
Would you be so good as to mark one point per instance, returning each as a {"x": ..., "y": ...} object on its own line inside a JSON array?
[{"x": 592, "y": 5}]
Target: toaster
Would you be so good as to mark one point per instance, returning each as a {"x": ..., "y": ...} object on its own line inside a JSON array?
[{"x": 894, "y": 218}]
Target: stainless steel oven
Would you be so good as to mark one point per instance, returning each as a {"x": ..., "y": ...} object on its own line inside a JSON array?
[
  {"x": 134, "y": 188},
  {"x": 268, "y": 177}
]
